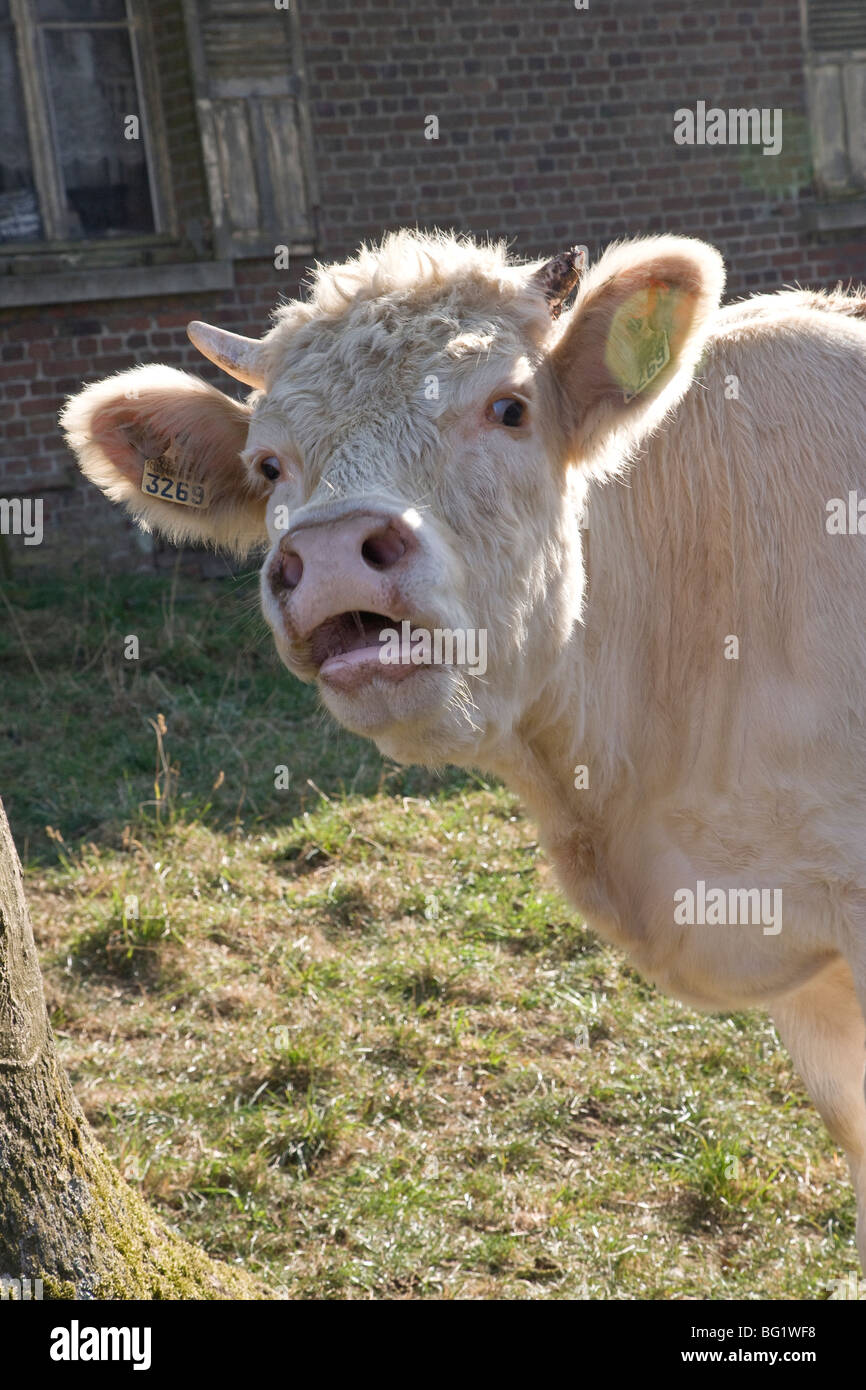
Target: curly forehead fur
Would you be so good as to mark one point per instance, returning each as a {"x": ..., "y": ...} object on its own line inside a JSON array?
[
  {"x": 399, "y": 307},
  {"x": 408, "y": 271}
]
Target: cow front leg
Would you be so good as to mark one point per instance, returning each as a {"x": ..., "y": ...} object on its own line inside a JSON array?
[{"x": 823, "y": 1028}]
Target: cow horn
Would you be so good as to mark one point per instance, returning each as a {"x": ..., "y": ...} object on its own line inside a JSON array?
[
  {"x": 558, "y": 277},
  {"x": 236, "y": 355}
]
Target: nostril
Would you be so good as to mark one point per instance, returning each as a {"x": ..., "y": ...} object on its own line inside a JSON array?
[
  {"x": 383, "y": 549},
  {"x": 287, "y": 570}
]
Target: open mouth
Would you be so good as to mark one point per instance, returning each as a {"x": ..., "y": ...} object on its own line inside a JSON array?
[{"x": 350, "y": 648}]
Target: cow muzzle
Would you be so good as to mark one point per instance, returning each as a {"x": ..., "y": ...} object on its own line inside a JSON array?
[{"x": 335, "y": 586}]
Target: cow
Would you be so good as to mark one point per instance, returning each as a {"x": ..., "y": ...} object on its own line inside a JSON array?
[{"x": 649, "y": 505}]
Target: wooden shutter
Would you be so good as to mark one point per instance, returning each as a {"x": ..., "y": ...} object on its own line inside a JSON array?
[
  {"x": 836, "y": 77},
  {"x": 250, "y": 97},
  {"x": 836, "y": 24}
]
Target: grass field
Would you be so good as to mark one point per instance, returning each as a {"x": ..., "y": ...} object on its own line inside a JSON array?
[{"x": 346, "y": 1033}]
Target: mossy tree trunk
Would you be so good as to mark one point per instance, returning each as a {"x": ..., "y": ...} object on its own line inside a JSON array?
[{"x": 66, "y": 1215}]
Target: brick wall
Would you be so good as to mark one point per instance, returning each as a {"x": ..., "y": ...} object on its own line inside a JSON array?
[{"x": 555, "y": 125}]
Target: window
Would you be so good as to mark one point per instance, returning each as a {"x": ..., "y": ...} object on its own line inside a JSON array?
[
  {"x": 76, "y": 141},
  {"x": 106, "y": 189},
  {"x": 835, "y": 32}
]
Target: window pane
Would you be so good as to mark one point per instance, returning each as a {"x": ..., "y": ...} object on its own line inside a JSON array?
[
  {"x": 71, "y": 11},
  {"x": 19, "y": 207},
  {"x": 91, "y": 82}
]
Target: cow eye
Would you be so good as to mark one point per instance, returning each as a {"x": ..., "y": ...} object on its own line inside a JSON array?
[
  {"x": 270, "y": 467},
  {"x": 507, "y": 411}
]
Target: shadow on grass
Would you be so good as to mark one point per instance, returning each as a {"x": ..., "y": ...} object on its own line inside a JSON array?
[{"x": 87, "y": 668}]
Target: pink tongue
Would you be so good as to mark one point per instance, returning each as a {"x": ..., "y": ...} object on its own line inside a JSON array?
[
  {"x": 356, "y": 657},
  {"x": 350, "y": 670}
]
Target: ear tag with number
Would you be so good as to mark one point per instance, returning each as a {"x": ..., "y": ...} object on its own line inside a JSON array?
[
  {"x": 163, "y": 478},
  {"x": 651, "y": 353},
  {"x": 638, "y": 347}
]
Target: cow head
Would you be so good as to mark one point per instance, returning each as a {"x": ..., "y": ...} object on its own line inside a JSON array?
[{"x": 412, "y": 453}]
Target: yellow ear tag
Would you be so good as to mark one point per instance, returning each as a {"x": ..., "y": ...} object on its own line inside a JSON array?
[
  {"x": 638, "y": 345},
  {"x": 652, "y": 353}
]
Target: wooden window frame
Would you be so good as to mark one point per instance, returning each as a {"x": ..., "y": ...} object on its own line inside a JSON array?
[{"x": 44, "y": 155}]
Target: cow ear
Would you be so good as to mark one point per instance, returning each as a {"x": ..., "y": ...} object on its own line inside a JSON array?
[
  {"x": 167, "y": 446},
  {"x": 630, "y": 345}
]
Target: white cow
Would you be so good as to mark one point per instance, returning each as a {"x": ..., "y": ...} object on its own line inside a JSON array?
[{"x": 678, "y": 690}]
